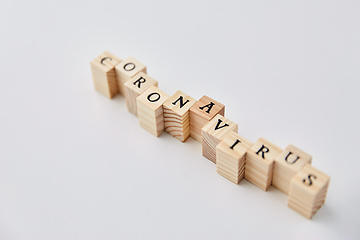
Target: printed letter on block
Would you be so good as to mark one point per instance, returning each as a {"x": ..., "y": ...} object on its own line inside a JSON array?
[
  {"x": 213, "y": 132},
  {"x": 287, "y": 165},
  {"x": 308, "y": 191},
  {"x": 126, "y": 70},
  {"x": 260, "y": 163},
  {"x": 177, "y": 116},
  {"x": 150, "y": 110},
  {"x": 201, "y": 113},
  {"x": 134, "y": 87},
  {"x": 103, "y": 73},
  {"x": 230, "y": 157}
]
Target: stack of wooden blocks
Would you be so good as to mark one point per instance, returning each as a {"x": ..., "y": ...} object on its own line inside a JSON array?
[
  {"x": 261, "y": 163},
  {"x": 176, "y": 115}
]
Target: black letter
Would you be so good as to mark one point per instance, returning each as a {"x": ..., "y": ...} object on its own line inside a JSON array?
[
  {"x": 139, "y": 81},
  {"x": 263, "y": 152},
  {"x": 309, "y": 177},
  {"x": 132, "y": 66},
  {"x": 237, "y": 141},
  {"x": 154, "y": 100},
  {"x": 102, "y": 60},
  {"x": 218, "y": 125},
  {"x": 181, "y": 101},
  {"x": 209, "y": 106},
  {"x": 286, "y": 159}
]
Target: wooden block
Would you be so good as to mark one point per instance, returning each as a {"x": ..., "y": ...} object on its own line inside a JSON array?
[
  {"x": 213, "y": 132},
  {"x": 230, "y": 157},
  {"x": 308, "y": 191},
  {"x": 134, "y": 87},
  {"x": 177, "y": 116},
  {"x": 150, "y": 110},
  {"x": 287, "y": 165},
  {"x": 125, "y": 70},
  {"x": 259, "y": 164},
  {"x": 103, "y": 73},
  {"x": 201, "y": 113}
]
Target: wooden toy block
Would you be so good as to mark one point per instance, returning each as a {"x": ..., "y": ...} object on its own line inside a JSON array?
[
  {"x": 177, "y": 116},
  {"x": 230, "y": 157},
  {"x": 259, "y": 164},
  {"x": 103, "y": 73},
  {"x": 125, "y": 70},
  {"x": 287, "y": 165},
  {"x": 134, "y": 87},
  {"x": 308, "y": 191},
  {"x": 213, "y": 132},
  {"x": 201, "y": 113},
  {"x": 150, "y": 110}
]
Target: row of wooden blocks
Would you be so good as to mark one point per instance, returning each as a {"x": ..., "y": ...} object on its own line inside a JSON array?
[{"x": 261, "y": 163}]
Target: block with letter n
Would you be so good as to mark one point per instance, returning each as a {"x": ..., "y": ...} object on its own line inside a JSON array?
[{"x": 177, "y": 116}]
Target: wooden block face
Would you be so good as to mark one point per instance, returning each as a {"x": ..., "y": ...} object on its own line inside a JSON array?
[
  {"x": 308, "y": 191},
  {"x": 103, "y": 73},
  {"x": 134, "y": 87},
  {"x": 180, "y": 103},
  {"x": 287, "y": 165},
  {"x": 150, "y": 110},
  {"x": 201, "y": 113},
  {"x": 213, "y": 132},
  {"x": 260, "y": 163},
  {"x": 125, "y": 70},
  {"x": 177, "y": 116},
  {"x": 230, "y": 157}
]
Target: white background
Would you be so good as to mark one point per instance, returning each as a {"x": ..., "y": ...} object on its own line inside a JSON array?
[{"x": 76, "y": 165}]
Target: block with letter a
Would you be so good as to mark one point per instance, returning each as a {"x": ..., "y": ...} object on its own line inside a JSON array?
[{"x": 201, "y": 113}]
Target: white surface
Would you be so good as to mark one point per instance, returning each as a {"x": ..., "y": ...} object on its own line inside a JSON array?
[{"x": 75, "y": 165}]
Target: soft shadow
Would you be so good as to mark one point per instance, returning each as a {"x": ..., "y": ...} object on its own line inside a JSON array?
[{"x": 323, "y": 215}]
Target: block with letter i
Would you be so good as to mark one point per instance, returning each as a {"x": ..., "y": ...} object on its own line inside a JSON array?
[
  {"x": 308, "y": 191},
  {"x": 134, "y": 87},
  {"x": 125, "y": 70},
  {"x": 287, "y": 165},
  {"x": 150, "y": 110},
  {"x": 103, "y": 73},
  {"x": 213, "y": 132},
  {"x": 177, "y": 115},
  {"x": 201, "y": 113},
  {"x": 230, "y": 157},
  {"x": 259, "y": 164}
]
